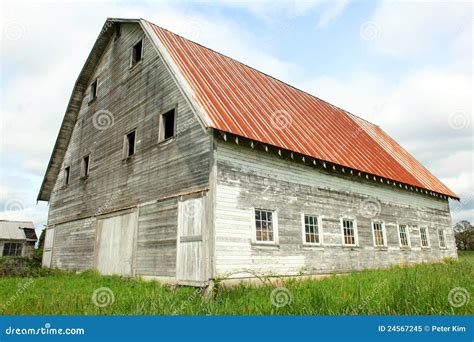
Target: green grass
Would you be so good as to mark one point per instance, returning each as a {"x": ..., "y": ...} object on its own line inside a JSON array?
[{"x": 415, "y": 290}]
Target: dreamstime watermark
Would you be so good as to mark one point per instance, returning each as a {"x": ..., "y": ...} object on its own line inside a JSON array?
[
  {"x": 103, "y": 297},
  {"x": 192, "y": 29},
  {"x": 103, "y": 119},
  {"x": 281, "y": 120},
  {"x": 187, "y": 301},
  {"x": 22, "y": 288},
  {"x": 369, "y": 30},
  {"x": 46, "y": 330},
  {"x": 15, "y": 207},
  {"x": 14, "y": 30},
  {"x": 370, "y": 208},
  {"x": 103, "y": 208},
  {"x": 375, "y": 292},
  {"x": 281, "y": 297},
  {"x": 191, "y": 208},
  {"x": 459, "y": 120},
  {"x": 458, "y": 297}
]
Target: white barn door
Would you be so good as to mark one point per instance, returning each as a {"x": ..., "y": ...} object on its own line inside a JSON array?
[
  {"x": 48, "y": 247},
  {"x": 191, "y": 257},
  {"x": 115, "y": 243}
]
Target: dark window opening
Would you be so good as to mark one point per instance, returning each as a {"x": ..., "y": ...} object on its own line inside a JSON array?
[
  {"x": 168, "y": 124},
  {"x": 137, "y": 53},
  {"x": 12, "y": 249},
  {"x": 130, "y": 144},
  {"x": 118, "y": 31},
  {"x": 94, "y": 90},
  {"x": 30, "y": 233},
  {"x": 85, "y": 166},
  {"x": 67, "y": 172}
]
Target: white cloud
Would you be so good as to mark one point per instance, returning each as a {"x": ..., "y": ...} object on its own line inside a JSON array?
[
  {"x": 414, "y": 28},
  {"x": 331, "y": 13}
]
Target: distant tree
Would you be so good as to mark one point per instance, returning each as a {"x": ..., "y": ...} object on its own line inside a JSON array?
[{"x": 464, "y": 235}]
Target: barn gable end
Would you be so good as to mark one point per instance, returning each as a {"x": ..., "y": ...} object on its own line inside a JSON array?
[{"x": 145, "y": 187}]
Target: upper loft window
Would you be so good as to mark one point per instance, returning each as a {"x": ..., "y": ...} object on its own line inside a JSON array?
[
  {"x": 85, "y": 166},
  {"x": 167, "y": 125},
  {"x": 67, "y": 172},
  {"x": 94, "y": 90},
  {"x": 137, "y": 53},
  {"x": 129, "y": 145}
]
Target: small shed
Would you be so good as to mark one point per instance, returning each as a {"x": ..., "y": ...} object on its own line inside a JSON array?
[{"x": 17, "y": 238}]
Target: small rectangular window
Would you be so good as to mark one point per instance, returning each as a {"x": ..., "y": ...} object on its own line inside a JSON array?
[
  {"x": 264, "y": 225},
  {"x": 349, "y": 232},
  {"x": 378, "y": 230},
  {"x": 129, "y": 145},
  {"x": 67, "y": 172},
  {"x": 424, "y": 237},
  {"x": 311, "y": 229},
  {"x": 94, "y": 89},
  {"x": 85, "y": 166},
  {"x": 167, "y": 125},
  {"x": 12, "y": 249},
  {"x": 442, "y": 241},
  {"x": 137, "y": 52},
  {"x": 403, "y": 234}
]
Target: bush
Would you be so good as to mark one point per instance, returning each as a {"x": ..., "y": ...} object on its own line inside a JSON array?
[{"x": 22, "y": 267}]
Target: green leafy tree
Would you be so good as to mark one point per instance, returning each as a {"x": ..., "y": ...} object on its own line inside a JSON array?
[{"x": 464, "y": 235}]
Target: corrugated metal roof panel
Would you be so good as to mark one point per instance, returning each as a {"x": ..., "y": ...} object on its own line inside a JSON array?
[
  {"x": 243, "y": 101},
  {"x": 12, "y": 230}
]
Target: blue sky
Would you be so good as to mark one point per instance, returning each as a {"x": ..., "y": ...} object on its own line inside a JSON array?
[{"x": 406, "y": 66}]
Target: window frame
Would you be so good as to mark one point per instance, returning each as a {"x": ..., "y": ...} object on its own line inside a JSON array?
[
  {"x": 384, "y": 233},
  {"x": 444, "y": 238},
  {"x": 407, "y": 227},
  {"x": 85, "y": 171},
  {"x": 354, "y": 226},
  {"x": 427, "y": 238},
  {"x": 136, "y": 62},
  {"x": 67, "y": 175},
  {"x": 126, "y": 145},
  {"x": 20, "y": 248},
  {"x": 161, "y": 125},
  {"x": 275, "y": 240},
  {"x": 303, "y": 229}
]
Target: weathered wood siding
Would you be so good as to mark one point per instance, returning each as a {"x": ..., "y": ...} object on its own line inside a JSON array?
[
  {"x": 73, "y": 246},
  {"x": 248, "y": 179},
  {"x": 132, "y": 98},
  {"x": 156, "y": 245}
]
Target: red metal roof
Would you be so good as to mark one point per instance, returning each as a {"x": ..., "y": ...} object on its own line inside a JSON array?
[{"x": 243, "y": 101}]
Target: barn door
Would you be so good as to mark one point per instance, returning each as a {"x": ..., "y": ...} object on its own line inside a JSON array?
[
  {"x": 48, "y": 247},
  {"x": 115, "y": 242},
  {"x": 191, "y": 254}
]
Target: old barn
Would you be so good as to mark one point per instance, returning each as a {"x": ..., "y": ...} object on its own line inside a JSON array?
[{"x": 176, "y": 162}]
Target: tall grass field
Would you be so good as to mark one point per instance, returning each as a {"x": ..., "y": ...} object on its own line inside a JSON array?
[{"x": 444, "y": 288}]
